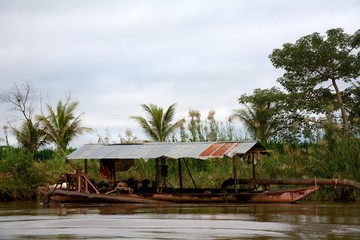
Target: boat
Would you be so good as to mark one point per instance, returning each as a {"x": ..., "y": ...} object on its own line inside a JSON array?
[
  {"x": 76, "y": 186},
  {"x": 273, "y": 196}
]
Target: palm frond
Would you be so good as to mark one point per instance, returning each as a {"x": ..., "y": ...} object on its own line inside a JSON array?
[
  {"x": 158, "y": 126},
  {"x": 61, "y": 125}
]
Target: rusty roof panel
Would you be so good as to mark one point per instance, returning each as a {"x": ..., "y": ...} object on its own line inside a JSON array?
[
  {"x": 209, "y": 150},
  {"x": 197, "y": 150},
  {"x": 222, "y": 150}
]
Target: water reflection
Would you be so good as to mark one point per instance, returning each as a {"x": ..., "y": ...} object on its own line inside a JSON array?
[{"x": 29, "y": 220}]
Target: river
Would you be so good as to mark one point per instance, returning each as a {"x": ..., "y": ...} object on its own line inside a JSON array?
[{"x": 305, "y": 220}]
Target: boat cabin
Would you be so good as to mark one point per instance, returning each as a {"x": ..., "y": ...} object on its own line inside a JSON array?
[{"x": 121, "y": 157}]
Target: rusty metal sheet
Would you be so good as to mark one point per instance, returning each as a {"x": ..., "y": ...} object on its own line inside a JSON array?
[
  {"x": 209, "y": 150},
  {"x": 222, "y": 150}
]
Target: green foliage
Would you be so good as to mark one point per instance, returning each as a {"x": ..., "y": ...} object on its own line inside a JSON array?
[
  {"x": 30, "y": 136},
  {"x": 315, "y": 62},
  {"x": 262, "y": 113},
  {"x": 61, "y": 126},
  {"x": 313, "y": 106},
  {"x": 158, "y": 126},
  {"x": 19, "y": 176},
  {"x": 3, "y": 151},
  {"x": 45, "y": 154},
  {"x": 340, "y": 159}
]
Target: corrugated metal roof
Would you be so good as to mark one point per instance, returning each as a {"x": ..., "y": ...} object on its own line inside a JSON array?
[{"x": 197, "y": 150}]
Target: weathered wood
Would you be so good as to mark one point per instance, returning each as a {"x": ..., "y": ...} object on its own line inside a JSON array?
[{"x": 301, "y": 181}]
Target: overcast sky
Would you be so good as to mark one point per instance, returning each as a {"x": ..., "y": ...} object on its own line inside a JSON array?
[{"x": 116, "y": 55}]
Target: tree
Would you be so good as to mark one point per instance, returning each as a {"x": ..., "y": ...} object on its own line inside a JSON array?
[
  {"x": 158, "y": 126},
  {"x": 61, "y": 126},
  {"x": 315, "y": 64},
  {"x": 261, "y": 112},
  {"x": 29, "y": 135}
]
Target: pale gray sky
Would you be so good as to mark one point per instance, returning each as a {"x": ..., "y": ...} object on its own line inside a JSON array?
[{"x": 116, "y": 55}]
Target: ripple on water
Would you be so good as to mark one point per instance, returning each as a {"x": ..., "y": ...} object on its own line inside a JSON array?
[
  {"x": 141, "y": 227},
  {"x": 267, "y": 221}
]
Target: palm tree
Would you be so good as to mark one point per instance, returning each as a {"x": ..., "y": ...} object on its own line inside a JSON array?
[
  {"x": 261, "y": 112},
  {"x": 158, "y": 127},
  {"x": 61, "y": 126},
  {"x": 30, "y": 136},
  {"x": 256, "y": 121}
]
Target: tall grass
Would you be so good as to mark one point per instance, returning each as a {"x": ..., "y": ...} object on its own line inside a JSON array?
[{"x": 340, "y": 159}]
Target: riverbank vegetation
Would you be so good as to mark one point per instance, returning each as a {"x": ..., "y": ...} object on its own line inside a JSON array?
[{"x": 311, "y": 125}]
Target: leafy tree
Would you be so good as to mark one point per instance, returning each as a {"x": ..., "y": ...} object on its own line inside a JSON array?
[
  {"x": 61, "y": 126},
  {"x": 261, "y": 114},
  {"x": 158, "y": 126},
  {"x": 315, "y": 66}
]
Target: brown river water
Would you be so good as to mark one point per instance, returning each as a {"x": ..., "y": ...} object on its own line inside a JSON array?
[{"x": 304, "y": 220}]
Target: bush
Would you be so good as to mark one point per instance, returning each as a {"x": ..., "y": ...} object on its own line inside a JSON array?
[
  {"x": 18, "y": 174},
  {"x": 45, "y": 154}
]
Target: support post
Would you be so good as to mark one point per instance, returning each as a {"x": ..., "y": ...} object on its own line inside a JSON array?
[
  {"x": 192, "y": 179},
  {"x": 86, "y": 171},
  {"x": 157, "y": 175},
  {"x": 113, "y": 172},
  {"x": 234, "y": 159},
  {"x": 180, "y": 173},
  {"x": 253, "y": 167},
  {"x": 79, "y": 180},
  {"x": 86, "y": 166}
]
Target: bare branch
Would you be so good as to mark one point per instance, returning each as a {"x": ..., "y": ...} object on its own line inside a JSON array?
[{"x": 19, "y": 97}]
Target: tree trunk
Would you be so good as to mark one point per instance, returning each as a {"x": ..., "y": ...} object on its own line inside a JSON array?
[{"x": 342, "y": 108}]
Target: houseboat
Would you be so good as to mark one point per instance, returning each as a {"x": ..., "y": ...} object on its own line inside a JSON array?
[{"x": 76, "y": 186}]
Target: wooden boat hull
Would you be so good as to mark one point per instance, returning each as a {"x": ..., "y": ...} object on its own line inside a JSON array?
[{"x": 273, "y": 196}]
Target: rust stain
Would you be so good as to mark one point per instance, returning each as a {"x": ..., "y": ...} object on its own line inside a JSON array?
[
  {"x": 209, "y": 150},
  {"x": 222, "y": 149}
]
